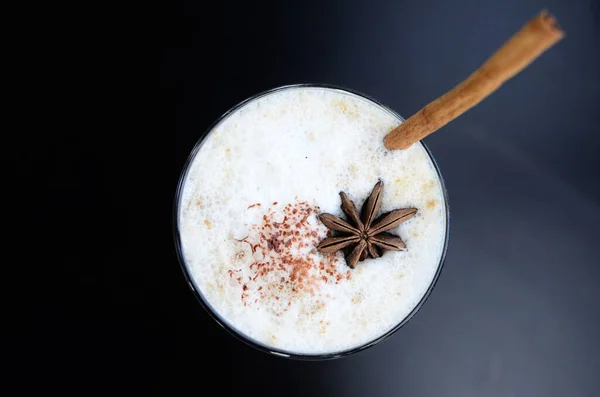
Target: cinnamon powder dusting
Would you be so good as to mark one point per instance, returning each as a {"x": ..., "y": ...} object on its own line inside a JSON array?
[{"x": 286, "y": 264}]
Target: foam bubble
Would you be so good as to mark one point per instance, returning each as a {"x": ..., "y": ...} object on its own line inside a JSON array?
[{"x": 301, "y": 146}]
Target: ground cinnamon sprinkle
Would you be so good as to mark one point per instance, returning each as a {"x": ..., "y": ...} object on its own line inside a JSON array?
[{"x": 286, "y": 263}]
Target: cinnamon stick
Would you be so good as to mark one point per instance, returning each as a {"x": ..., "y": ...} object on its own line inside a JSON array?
[{"x": 539, "y": 34}]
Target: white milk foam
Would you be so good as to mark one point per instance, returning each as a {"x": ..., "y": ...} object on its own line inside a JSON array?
[{"x": 299, "y": 147}]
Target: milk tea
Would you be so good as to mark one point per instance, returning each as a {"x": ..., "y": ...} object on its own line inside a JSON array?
[{"x": 248, "y": 221}]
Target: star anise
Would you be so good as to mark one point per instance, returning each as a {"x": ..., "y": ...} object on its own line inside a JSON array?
[{"x": 363, "y": 235}]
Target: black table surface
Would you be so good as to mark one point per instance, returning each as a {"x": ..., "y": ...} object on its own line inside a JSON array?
[{"x": 516, "y": 311}]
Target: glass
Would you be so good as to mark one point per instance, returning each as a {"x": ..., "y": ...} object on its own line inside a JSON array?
[{"x": 215, "y": 315}]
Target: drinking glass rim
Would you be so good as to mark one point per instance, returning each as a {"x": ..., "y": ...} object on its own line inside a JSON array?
[{"x": 213, "y": 313}]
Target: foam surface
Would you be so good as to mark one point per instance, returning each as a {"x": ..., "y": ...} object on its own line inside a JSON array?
[{"x": 296, "y": 149}]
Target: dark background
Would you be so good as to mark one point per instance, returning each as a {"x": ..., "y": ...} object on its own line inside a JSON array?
[{"x": 516, "y": 311}]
